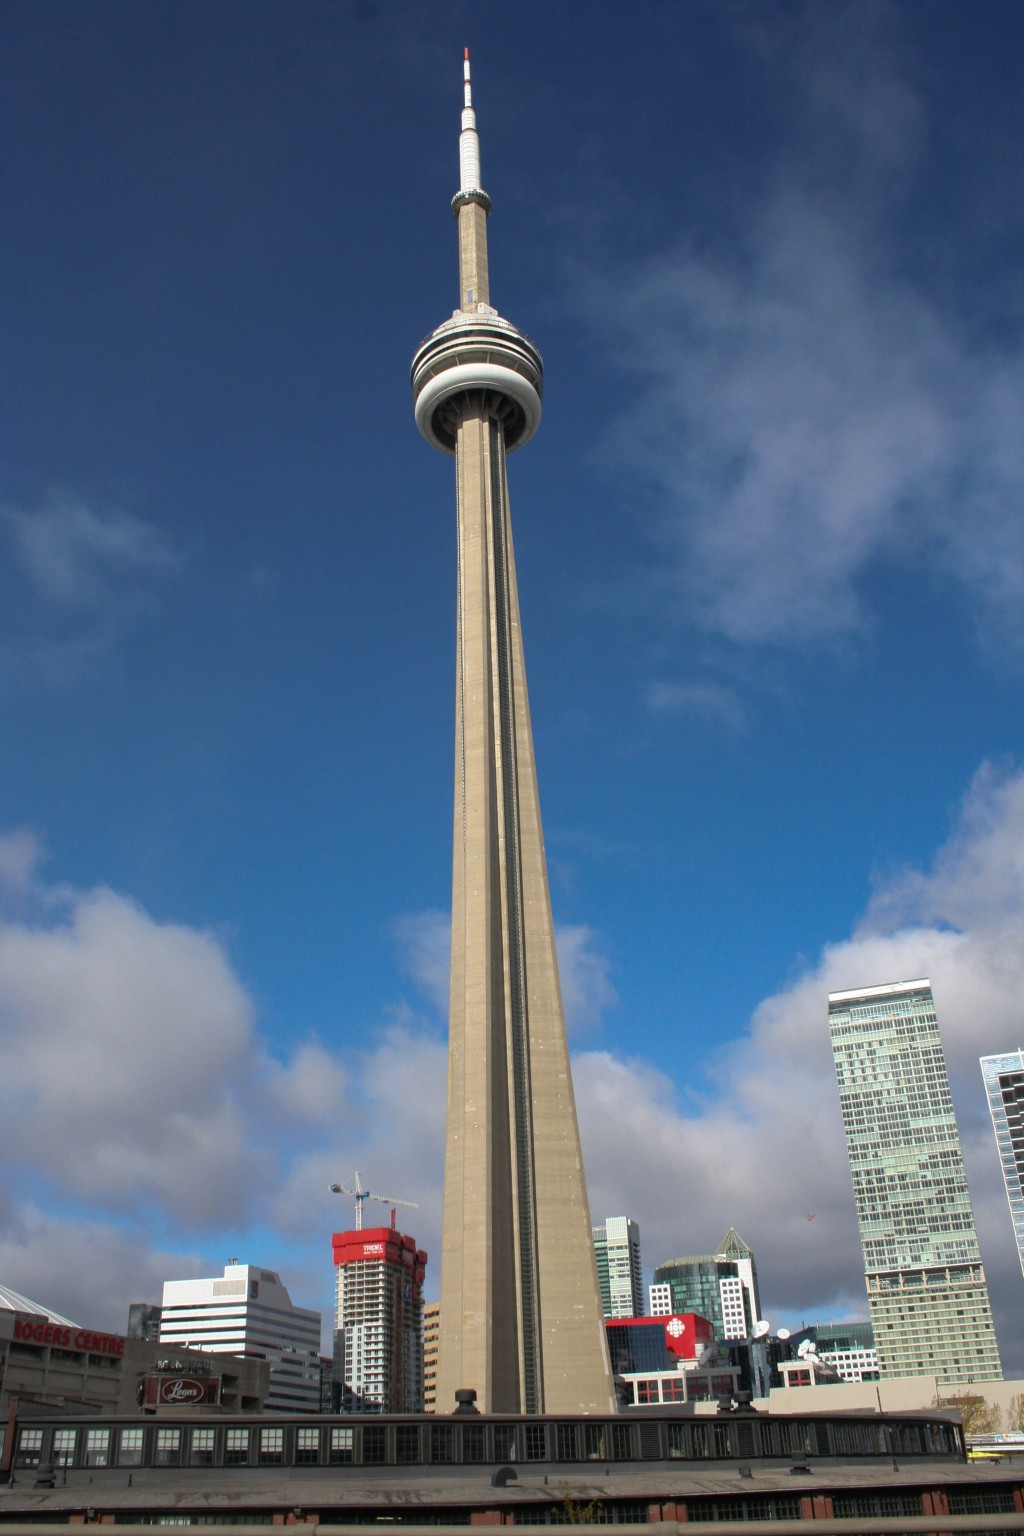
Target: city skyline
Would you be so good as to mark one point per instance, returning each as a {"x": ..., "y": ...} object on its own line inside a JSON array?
[{"x": 768, "y": 543}]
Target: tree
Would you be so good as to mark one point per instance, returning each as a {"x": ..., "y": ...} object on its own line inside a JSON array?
[
  {"x": 977, "y": 1415},
  {"x": 1015, "y": 1412}
]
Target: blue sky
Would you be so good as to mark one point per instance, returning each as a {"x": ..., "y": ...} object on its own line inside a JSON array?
[{"x": 771, "y": 563}]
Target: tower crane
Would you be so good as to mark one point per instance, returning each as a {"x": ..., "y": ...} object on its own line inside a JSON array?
[{"x": 359, "y": 1194}]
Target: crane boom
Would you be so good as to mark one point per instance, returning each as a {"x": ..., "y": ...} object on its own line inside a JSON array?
[{"x": 359, "y": 1194}]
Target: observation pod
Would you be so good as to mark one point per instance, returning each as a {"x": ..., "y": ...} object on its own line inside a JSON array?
[{"x": 477, "y": 360}]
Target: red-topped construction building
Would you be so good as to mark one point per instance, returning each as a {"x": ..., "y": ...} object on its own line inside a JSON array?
[{"x": 378, "y": 1339}]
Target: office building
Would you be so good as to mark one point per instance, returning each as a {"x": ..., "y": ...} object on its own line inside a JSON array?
[
  {"x": 1004, "y": 1085},
  {"x": 378, "y": 1338},
  {"x": 721, "y": 1286},
  {"x": 619, "y": 1272},
  {"x": 247, "y": 1311},
  {"x": 926, "y": 1287},
  {"x": 520, "y": 1309}
]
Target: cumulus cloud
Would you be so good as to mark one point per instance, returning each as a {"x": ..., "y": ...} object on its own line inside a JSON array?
[
  {"x": 89, "y": 1271},
  {"x": 135, "y": 1044},
  {"x": 805, "y": 407}
]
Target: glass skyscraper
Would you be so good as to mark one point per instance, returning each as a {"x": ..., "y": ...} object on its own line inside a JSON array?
[
  {"x": 1004, "y": 1084},
  {"x": 926, "y": 1286},
  {"x": 619, "y": 1274},
  {"x": 720, "y": 1286}
]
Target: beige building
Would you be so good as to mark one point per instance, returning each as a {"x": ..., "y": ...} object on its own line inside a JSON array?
[
  {"x": 519, "y": 1298},
  {"x": 431, "y": 1339}
]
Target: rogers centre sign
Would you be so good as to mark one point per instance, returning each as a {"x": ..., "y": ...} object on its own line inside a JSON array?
[{"x": 68, "y": 1338}]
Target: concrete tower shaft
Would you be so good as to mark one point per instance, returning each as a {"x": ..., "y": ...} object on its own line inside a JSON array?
[{"x": 520, "y": 1313}]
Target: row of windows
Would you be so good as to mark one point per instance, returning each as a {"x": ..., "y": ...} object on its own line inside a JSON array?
[{"x": 416, "y": 1442}]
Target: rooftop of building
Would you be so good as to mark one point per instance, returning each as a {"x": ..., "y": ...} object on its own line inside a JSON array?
[{"x": 13, "y": 1301}]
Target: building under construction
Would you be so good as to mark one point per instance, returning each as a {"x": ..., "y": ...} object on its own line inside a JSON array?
[{"x": 378, "y": 1337}]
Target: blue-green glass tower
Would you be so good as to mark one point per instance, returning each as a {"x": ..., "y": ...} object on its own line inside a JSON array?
[{"x": 926, "y": 1286}]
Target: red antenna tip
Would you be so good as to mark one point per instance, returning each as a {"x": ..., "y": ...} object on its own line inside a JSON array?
[{"x": 466, "y": 54}]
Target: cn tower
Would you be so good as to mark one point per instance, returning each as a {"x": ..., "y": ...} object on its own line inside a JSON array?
[{"x": 521, "y": 1317}]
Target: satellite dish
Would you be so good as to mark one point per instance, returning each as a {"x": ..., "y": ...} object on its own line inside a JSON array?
[
  {"x": 806, "y": 1348},
  {"x": 783, "y": 1333},
  {"x": 706, "y": 1354},
  {"x": 760, "y": 1328}
]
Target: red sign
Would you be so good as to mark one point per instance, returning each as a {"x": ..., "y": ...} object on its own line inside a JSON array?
[{"x": 68, "y": 1338}]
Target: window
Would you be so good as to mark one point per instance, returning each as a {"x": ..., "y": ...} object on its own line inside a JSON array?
[
  {"x": 442, "y": 1442},
  {"x": 271, "y": 1446},
  {"x": 129, "y": 1449},
  {"x": 64, "y": 1447},
  {"x": 168, "y": 1448},
  {"x": 536, "y": 1442},
  {"x": 593, "y": 1442},
  {"x": 341, "y": 1446},
  {"x": 673, "y": 1389},
  {"x": 97, "y": 1447},
  {"x": 407, "y": 1444},
  {"x": 474, "y": 1444},
  {"x": 375, "y": 1445},
  {"x": 30, "y": 1444},
  {"x": 981, "y": 1501},
  {"x": 505, "y": 1442},
  {"x": 781, "y": 1507},
  {"x": 567, "y": 1448},
  {"x": 307, "y": 1447},
  {"x": 203, "y": 1443},
  {"x": 236, "y": 1448},
  {"x": 647, "y": 1391}
]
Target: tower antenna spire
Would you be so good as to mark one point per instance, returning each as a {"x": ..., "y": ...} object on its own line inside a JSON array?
[{"x": 471, "y": 205}]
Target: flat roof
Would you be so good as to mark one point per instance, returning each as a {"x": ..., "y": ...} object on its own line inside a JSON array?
[{"x": 889, "y": 990}]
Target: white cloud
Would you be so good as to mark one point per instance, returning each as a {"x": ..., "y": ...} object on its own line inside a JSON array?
[
  {"x": 73, "y": 554},
  {"x": 585, "y": 974},
  {"x": 425, "y": 943},
  {"x": 805, "y": 409},
  {"x": 76, "y": 579},
  {"x": 121, "y": 1036},
  {"x": 134, "y": 1043},
  {"x": 698, "y": 699},
  {"x": 20, "y": 855}
]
